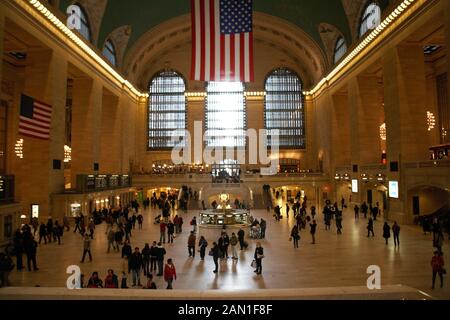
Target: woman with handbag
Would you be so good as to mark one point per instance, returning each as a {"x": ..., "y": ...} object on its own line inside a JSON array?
[{"x": 259, "y": 255}]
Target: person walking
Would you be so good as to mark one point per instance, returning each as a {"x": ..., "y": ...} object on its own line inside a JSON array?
[
  {"x": 111, "y": 240},
  {"x": 224, "y": 242},
  {"x": 288, "y": 209},
  {"x": 170, "y": 274},
  {"x": 263, "y": 226},
  {"x": 153, "y": 254},
  {"x": 214, "y": 253},
  {"x": 259, "y": 256},
  {"x": 396, "y": 232},
  {"x": 58, "y": 231},
  {"x": 233, "y": 243},
  {"x": 135, "y": 265},
  {"x": 140, "y": 221},
  {"x": 31, "y": 250},
  {"x": 170, "y": 231},
  {"x": 241, "y": 238},
  {"x": 18, "y": 242},
  {"x": 386, "y": 232},
  {"x": 6, "y": 266},
  {"x": 437, "y": 266},
  {"x": 295, "y": 236},
  {"x": 194, "y": 224},
  {"x": 42, "y": 233},
  {"x": 364, "y": 209},
  {"x": 339, "y": 222},
  {"x": 370, "y": 228},
  {"x": 86, "y": 248},
  {"x": 313, "y": 226},
  {"x": 202, "y": 244},
  {"x": 162, "y": 230},
  {"x": 146, "y": 253},
  {"x": 160, "y": 253},
  {"x": 126, "y": 250},
  {"x": 356, "y": 209},
  {"x": 191, "y": 244}
]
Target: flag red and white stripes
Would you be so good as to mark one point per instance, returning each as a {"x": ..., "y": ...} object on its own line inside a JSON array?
[
  {"x": 35, "y": 119},
  {"x": 217, "y": 56}
]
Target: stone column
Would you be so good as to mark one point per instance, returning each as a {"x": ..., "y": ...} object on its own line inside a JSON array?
[
  {"x": 45, "y": 80},
  {"x": 2, "y": 34},
  {"x": 255, "y": 121},
  {"x": 128, "y": 111},
  {"x": 111, "y": 125},
  {"x": 310, "y": 160},
  {"x": 196, "y": 112},
  {"x": 365, "y": 119},
  {"x": 86, "y": 125},
  {"x": 405, "y": 110},
  {"x": 340, "y": 144},
  {"x": 447, "y": 45}
]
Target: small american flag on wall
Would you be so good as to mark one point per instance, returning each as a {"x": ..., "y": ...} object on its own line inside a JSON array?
[
  {"x": 35, "y": 118},
  {"x": 222, "y": 40}
]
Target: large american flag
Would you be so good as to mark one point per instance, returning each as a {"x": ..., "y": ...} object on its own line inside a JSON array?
[
  {"x": 35, "y": 118},
  {"x": 222, "y": 40}
]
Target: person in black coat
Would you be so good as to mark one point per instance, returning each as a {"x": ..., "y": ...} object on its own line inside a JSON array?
[
  {"x": 31, "y": 250},
  {"x": 146, "y": 258},
  {"x": 160, "y": 253},
  {"x": 126, "y": 250},
  {"x": 135, "y": 264},
  {"x": 370, "y": 228},
  {"x": 153, "y": 253},
  {"x": 224, "y": 242},
  {"x": 18, "y": 249},
  {"x": 259, "y": 255},
  {"x": 50, "y": 229},
  {"x": 42, "y": 233},
  {"x": 241, "y": 237},
  {"x": 386, "y": 232},
  {"x": 215, "y": 255}
]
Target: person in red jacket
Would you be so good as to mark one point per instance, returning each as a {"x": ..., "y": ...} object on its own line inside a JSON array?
[
  {"x": 437, "y": 264},
  {"x": 111, "y": 281},
  {"x": 170, "y": 273}
]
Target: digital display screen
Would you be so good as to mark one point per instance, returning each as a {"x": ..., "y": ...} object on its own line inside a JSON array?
[
  {"x": 355, "y": 186},
  {"x": 393, "y": 189}
]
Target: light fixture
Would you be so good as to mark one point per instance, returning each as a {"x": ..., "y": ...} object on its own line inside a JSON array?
[
  {"x": 67, "y": 154},
  {"x": 18, "y": 148},
  {"x": 383, "y": 134},
  {"x": 431, "y": 121}
]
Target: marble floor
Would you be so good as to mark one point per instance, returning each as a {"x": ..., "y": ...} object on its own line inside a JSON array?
[{"x": 334, "y": 261}]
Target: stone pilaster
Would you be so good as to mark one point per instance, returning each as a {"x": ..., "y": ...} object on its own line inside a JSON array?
[
  {"x": 111, "y": 125},
  {"x": 340, "y": 145},
  {"x": 86, "y": 126},
  {"x": 45, "y": 80}
]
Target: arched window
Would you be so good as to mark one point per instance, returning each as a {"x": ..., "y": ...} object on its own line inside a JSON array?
[
  {"x": 166, "y": 110},
  {"x": 284, "y": 109},
  {"x": 225, "y": 114},
  {"x": 340, "y": 49},
  {"x": 85, "y": 28},
  {"x": 370, "y": 19},
  {"x": 109, "y": 51}
]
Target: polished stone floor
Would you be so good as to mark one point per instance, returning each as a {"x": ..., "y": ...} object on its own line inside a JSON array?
[{"x": 335, "y": 261}]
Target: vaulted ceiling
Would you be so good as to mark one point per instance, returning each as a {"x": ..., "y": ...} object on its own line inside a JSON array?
[{"x": 143, "y": 15}]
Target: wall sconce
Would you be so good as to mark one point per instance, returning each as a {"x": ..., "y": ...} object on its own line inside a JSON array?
[
  {"x": 67, "y": 154},
  {"x": 18, "y": 148},
  {"x": 383, "y": 134},
  {"x": 431, "y": 121}
]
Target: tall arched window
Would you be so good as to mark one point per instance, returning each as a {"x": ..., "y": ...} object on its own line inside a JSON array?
[
  {"x": 370, "y": 19},
  {"x": 340, "y": 49},
  {"x": 284, "y": 109},
  {"x": 109, "y": 51},
  {"x": 166, "y": 110},
  {"x": 85, "y": 28},
  {"x": 225, "y": 114}
]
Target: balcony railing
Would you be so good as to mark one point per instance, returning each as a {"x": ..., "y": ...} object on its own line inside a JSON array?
[{"x": 7, "y": 189}]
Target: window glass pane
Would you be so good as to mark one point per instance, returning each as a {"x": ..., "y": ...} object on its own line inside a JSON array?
[
  {"x": 109, "y": 52},
  {"x": 167, "y": 110},
  {"x": 340, "y": 49},
  {"x": 370, "y": 19},
  {"x": 284, "y": 109},
  {"x": 225, "y": 115}
]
